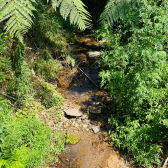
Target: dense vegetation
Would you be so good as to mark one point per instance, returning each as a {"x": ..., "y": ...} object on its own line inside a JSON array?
[
  {"x": 134, "y": 70},
  {"x": 25, "y": 140}
]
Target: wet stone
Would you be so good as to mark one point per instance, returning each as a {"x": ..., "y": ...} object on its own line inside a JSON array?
[
  {"x": 96, "y": 129},
  {"x": 93, "y": 54},
  {"x": 95, "y": 110}
]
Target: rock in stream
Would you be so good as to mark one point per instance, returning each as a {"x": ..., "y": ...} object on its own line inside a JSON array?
[{"x": 73, "y": 112}]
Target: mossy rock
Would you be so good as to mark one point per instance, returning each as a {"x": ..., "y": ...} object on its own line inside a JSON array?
[{"x": 73, "y": 138}]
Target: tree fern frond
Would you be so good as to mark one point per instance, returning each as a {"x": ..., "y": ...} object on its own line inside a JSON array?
[
  {"x": 19, "y": 15},
  {"x": 116, "y": 9},
  {"x": 76, "y": 11}
]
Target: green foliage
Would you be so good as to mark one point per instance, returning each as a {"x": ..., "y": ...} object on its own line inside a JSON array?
[
  {"x": 21, "y": 86},
  {"x": 71, "y": 61},
  {"x": 136, "y": 75},
  {"x": 58, "y": 141},
  {"x": 26, "y": 142},
  {"x": 46, "y": 66},
  {"x": 5, "y": 62},
  {"x": 50, "y": 97},
  {"x": 115, "y": 10},
  {"x": 3, "y": 38},
  {"x": 5, "y": 68},
  {"x": 76, "y": 11},
  {"x": 19, "y": 15},
  {"x": 51, "y": 31}
]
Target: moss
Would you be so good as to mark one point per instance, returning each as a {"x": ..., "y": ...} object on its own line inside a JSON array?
[{"x": 73, "y": 138}]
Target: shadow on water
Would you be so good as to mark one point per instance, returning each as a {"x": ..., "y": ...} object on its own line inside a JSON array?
[
  {"x": 83, "y": 87},
  {"x": 93, "y": 150}
]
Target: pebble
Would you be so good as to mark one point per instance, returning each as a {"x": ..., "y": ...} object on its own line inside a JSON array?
[
  {"x": 85, "y": 126},
  {"x": 73, "y": 124},
  {"x": 64, "y": 119},
  {"x": 88, "y": 121},
  {"x": 76, "y": 125},
  {"x": 98, "y": 103},
  {"x": 83, "y": 117},
  {"x": 96, "y": 129}
]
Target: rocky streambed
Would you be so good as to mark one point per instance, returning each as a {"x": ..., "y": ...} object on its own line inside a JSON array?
[{"x": 86, "y": 112}]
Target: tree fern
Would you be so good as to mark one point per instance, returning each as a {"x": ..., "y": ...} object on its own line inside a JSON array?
[
  {"x": 18, "y": 14},
  {"x": 116, "y": 9},
  {"x": 76, "y": 11}
]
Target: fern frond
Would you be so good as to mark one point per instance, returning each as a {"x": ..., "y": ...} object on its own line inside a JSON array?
[
  {"x": 75, "y": 10},
  {"x": 116, "y": 9},
  {"x": 18, "y": 14}
]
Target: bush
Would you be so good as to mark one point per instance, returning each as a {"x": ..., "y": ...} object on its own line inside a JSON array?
[
  {"x": 5, "y": 69},
  {"x": 26, "y": 142},
  {"x": 50, "y": 97},
  {"x": 136, "y": 75},
  {"x": 47, "y": 67},
  {"x": 51, "y": 30},
  {"x": 5, "y": 62}
]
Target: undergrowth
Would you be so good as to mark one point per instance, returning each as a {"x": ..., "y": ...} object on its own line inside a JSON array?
[
  {"x": 51, "y": 31},
  {"x": 47, "y": 67},
  {"x": 135, "y": 71},
  {"x": 26, "y": 142},
  {"x": 50, "y": 97}
]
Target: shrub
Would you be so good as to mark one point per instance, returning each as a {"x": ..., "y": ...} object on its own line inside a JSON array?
[
  {"x": 47, "y": 67},
  {"x": 51, "y": 30},
  {"x": 26, "y": 142},
  {"x": 136, "y": 75},
  {"x": 5, "y": 68},
  {"x": 50, "y": 97},
  {"x": 5, "y": 62}
]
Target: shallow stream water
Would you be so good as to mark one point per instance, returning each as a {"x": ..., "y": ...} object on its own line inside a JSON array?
[{"x": 80, "y": 86}]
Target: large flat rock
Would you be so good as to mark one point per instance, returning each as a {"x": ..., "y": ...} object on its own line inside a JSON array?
[{"x": 73, "y": 112}]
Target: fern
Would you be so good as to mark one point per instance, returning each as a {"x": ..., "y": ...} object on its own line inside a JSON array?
[
  {"x": 116, "y": 9},
  {"x": 18, "y": 14},
  {"x": 76, "y": 11}
]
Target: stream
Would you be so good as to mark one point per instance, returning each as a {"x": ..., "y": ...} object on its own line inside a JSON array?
[{"x": 80, "y": 88}]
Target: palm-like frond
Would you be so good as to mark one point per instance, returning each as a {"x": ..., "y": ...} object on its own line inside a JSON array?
[
  {"x": 18, "y": 14},
  {"x": 116, "y": 9},
  {"x": 76, "y": 11}
]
